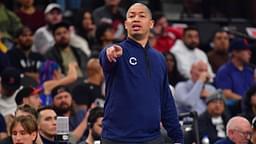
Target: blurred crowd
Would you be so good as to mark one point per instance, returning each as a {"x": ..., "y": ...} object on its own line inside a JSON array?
[{"x": 49, "y": 67}]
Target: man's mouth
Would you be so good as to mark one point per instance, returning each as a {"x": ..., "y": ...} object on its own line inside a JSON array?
[{"x": 136, "y": 27}]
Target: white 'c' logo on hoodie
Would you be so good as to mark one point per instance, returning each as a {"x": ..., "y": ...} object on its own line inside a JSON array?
[{"x": 133, "y": 61}]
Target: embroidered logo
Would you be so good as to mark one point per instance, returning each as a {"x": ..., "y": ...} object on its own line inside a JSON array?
[{"x": 133, "y": 61}]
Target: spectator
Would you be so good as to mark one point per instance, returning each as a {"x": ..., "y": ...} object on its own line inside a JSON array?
[
  {"x": 187, "y": 52},
  {"x": 29, "y": 15},
  {"x": 111, "y": 13},
  {"x": 212, "y": 122},
  {"x": 29, "y": 96},
  {"x": 249, "y": 103},
  {"x": 238, "y": 131},
  {"x": 21, "y": 56},
  {"x": 173, "y": 73},
  {"x": 51, "y": 76},
  {"x": 47, "y": 125},
  {"x": 10, "y": 84},
  {"x": 63, "y": 106},
  {"x": 24, "y": 130},
  {"x": 165, "y": 34},
  {"x": 43, "y": 37},
  {"x": 191, "y": 94},
  {"x": 104, "y": 37},
  {"x": 219, "y": 53},
  {"x": 85, "y": 93},
  {"x": 236, "y": 76},
  {"x": 26, "y": 110},
  {"x": 95, "y": 125},
  {"x": 63, "y": 53},
  {"x": 86, "y": 27},
  {"x": 10, "y": 23}
]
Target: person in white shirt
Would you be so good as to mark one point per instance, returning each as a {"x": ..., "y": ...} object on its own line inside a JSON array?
[{"x": 187, "y": 52}]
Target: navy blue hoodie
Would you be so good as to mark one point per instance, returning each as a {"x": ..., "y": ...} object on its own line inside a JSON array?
[{"x": 138, "y": 96}]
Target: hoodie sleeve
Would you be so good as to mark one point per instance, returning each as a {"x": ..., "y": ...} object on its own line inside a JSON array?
[
  {"x": 169, "y": 116},
  {"x": 104, "y": 62}
]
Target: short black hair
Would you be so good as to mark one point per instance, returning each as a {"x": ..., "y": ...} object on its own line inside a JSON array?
[
  {"x": 22, "y": 30},
  {"x": 95, "y": 113},
  {"x": 190, "y": 28},
  {"x": 62, "y": 24},
  {"x": 43, "y": 109}
]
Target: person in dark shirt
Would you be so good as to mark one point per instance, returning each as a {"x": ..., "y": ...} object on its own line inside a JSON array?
[
  {"x": 47, "y": 124},
  {"x": 138, "y": 96},
  {"x": 86, "y": 93},
  {"x": 22, "y": 57}
]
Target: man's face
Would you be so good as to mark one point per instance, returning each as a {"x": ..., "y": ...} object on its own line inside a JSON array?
[
  {"x": 97, "y": 129},
  {"x": 62, "y": 36},
  {"x": 221, "y": 41},
  {"x": 243, "y": 56},
  {"x": 63, "y": 102},
  {"x": 138, "y": 22},
  {"x": 197, "y": 70},
  {"x": 191, "y": 39},
  {"x": 241, "y": 135},
  {"x": 47, "y": 122},
  {"x": 25, "y": 40},
  {"x": 33, "y": 100},
  {"x": 215, "y": 107},
  {"x": 54, "y": 16}
]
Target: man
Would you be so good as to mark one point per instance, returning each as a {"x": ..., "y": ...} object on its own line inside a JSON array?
[
  {"x": 236, "y": 76},
  {"x": 190, "y": 95},
  {"x": 29, "y": 96},
  {"x": 213, "y": 121},
  {"x": 62, "y": 52},
  {"x": 187, "y": 52},
  {"x": 63, "y": 106},
  {"x": 95, "y": 125},
  {"x": 219, "y": 53},
  {"x": 238, "y": 131},
  {"x": 43, "y": 37},
  {"x": 47, "y": 124},
  {"x": 137, "y": 87},
  {"x": 21, "y": 56},
  {"x": 87, "y": 92},
  {"x": 10, "y": 84}
]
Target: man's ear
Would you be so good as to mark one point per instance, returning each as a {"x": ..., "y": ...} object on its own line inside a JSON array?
[
  {"x": 125, "y": 24},
  {"x": 152, "y": 24}
]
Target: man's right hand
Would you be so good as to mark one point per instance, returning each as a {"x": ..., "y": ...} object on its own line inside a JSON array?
[
  {"x": 204, "y": 77},
  {"x": 114, "y": 52}
]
